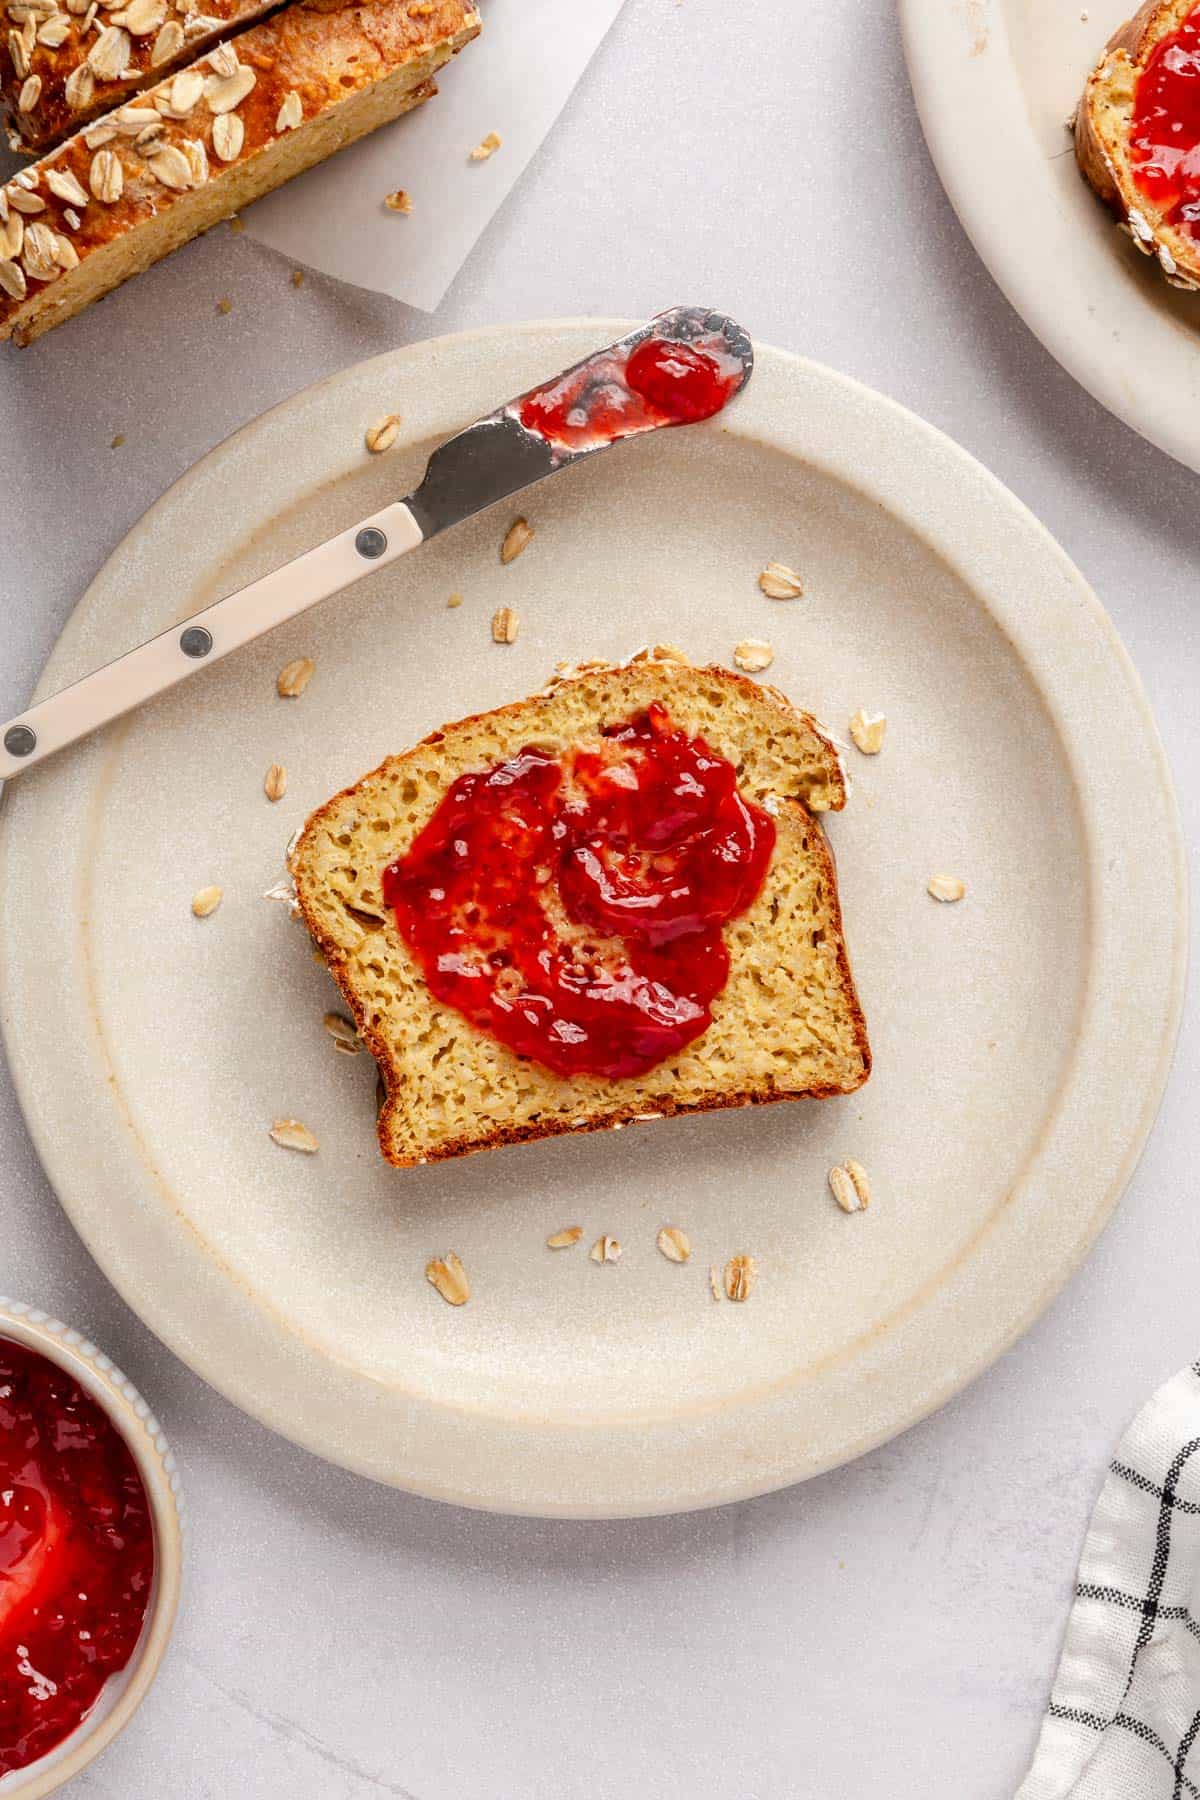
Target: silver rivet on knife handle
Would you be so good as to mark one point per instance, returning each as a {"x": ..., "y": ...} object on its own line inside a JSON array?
[
  {"x": 228, "y": 624},
  {"x": 482, "y": 464},
  {"x": 19, "y": 740}
]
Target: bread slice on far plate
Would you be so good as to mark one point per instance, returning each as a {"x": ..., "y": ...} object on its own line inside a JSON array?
[
  {"x": 787, "y": 1021},
  {"x": 1106, "y": 122}
]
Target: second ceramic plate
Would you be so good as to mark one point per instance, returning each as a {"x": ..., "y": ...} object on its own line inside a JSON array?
[
  {"x": 152, "y": 1050},
  {"x": 995, "y": 81}
]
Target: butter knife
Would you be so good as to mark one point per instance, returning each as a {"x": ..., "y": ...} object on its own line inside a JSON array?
[{"x": 682, "y": 366}]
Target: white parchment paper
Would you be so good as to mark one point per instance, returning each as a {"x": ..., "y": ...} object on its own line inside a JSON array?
[{"x": 514, "y": 79}]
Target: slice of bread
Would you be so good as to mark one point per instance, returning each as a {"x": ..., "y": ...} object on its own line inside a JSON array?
[
  {"x": 787, "y": 1023},
  {"x": 199, "y": 146},
  {"x": 1103, "y": 122}
]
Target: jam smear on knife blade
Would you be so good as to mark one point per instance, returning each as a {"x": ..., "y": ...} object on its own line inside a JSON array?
[{"x": 618, "y": 393}]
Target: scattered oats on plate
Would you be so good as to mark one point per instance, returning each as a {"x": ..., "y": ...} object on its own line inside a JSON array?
[
  {"x": 448, "y": 1276},
  {"x": 518, "y": 535}
]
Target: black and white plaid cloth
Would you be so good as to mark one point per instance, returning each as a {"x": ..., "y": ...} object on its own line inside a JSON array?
[{"x": 1124, "y": 1717}]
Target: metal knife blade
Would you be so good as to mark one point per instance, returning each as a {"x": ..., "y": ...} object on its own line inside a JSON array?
[
  {"x": 577, "y": 413},
  {"x": 497, "y": 456}
]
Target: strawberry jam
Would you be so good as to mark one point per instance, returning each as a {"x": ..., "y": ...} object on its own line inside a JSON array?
[
  {"x": 571, "y": 905},
  {"x": 616, "y": 394},
  {"x": 76, "y": 1554},
  {"x": 1164, "y": 137}
]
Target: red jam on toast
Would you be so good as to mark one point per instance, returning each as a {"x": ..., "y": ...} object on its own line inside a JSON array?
[{"x": 571, "y": 905}]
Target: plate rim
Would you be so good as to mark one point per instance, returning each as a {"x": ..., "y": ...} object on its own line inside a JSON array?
[
  {"x": 851, "y": 395},
  {"x": 964, "y": 98}
]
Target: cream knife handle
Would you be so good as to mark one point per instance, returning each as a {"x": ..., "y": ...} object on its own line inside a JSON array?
[{"x": 226, "y": 625}]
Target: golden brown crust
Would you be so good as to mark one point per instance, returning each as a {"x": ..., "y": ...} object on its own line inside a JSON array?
[
  {"x": 1138, "y": 36},
  {"x": 1135, "y": 39},
  {"x": 55, "y": 117},
  {"x": 193, "y": 26},
  {"x": 1089, "y": 150},
  {"x": 832, "y": 798},
  {"x": 1100, "y": 132},
  {"x": 343, "y": 70}
]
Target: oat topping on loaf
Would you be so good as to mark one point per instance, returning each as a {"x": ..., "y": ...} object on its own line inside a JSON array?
[
  {"x": 87, "y": 63},
  {"x": 87, "y": 59},
  {"x": 193, "y": 149},
  {"x": 788, "y": 1021},
  {"x": 1102, "y": 126}
]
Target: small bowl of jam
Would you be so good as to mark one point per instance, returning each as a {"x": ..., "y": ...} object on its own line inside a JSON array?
[{"x": 90, "y": 1551}]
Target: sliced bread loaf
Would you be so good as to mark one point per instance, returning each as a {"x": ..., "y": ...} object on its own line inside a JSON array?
[
  {"x": 194, "y": 149},
  {"x": 1137, "y": 183},
  {"x": 62, "y": 65},
  {"x": 787, "y": 1022}
]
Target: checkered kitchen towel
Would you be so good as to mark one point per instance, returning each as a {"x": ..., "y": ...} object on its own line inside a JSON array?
[{"x": 1124, "y": 1716}]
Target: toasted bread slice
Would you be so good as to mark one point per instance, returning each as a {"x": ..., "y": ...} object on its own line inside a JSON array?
[
  {"x": 139, "y": 182},
  {"x": 787, "y": 1023},
  {"x": 1103, "y": 122}
]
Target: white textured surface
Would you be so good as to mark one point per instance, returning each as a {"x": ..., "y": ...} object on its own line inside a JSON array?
[
  {"x": 889, "y": 1628},
  {"x": 333, "y": 217}
]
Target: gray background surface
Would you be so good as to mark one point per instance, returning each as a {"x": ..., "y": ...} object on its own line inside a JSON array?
[{"x": 891, "y": 1628}]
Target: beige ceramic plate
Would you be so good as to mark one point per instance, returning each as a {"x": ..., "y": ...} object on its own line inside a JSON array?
[
  {"x": 995, "y": 81},
  {"x": 1019, "y": 1061}
]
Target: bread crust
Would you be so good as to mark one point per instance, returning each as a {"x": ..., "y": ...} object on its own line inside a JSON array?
[
  {"x": 1135, "y": 39},
  {"x": 62, "y": 110},
  {"x": 344, "y": 69},
  {"x": 1099, "y": 147},
  {"x": 633, "y": 1111},
  {"x": 55, "y": 117}
]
